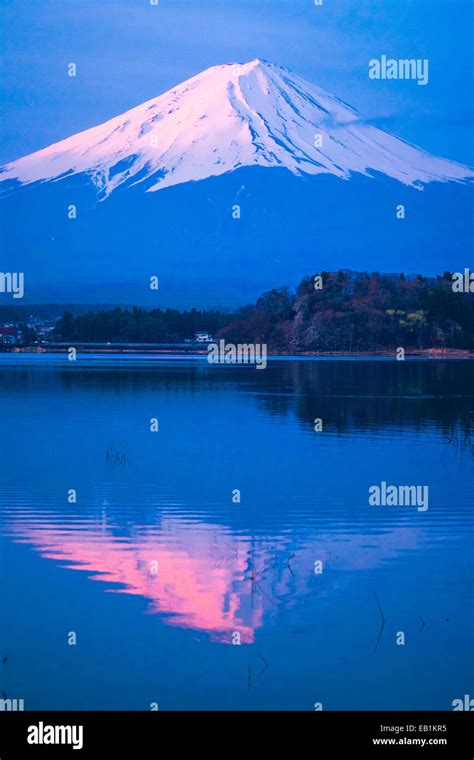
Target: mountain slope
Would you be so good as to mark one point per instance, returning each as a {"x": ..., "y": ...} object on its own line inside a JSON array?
[
  {"x": 227, "y": 117},
  {"x": 235, "y": 134}
]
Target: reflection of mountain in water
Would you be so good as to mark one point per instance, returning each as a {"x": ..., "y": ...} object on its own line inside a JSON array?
[
  {"x": 223, "y": 568},
  {"x": 203, "y": 576},
  {"x": 155, "y": 530}
]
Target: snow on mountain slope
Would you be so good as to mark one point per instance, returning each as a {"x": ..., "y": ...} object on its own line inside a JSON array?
[{"x": 230, "y": 116}]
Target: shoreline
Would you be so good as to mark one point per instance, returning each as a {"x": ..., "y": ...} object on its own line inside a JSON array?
[{"x": 427, "y": 353}]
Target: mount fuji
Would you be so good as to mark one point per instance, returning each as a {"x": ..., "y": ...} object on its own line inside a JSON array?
[{"x": 240, "y": 179}]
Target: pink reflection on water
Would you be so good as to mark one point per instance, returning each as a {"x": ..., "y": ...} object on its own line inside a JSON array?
[
  {"x": 199, "y": 575},
  {"x": 195, "y": 574}
]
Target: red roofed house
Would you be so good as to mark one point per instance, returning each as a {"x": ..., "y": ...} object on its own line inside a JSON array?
[{"x": 8, "y": 335}]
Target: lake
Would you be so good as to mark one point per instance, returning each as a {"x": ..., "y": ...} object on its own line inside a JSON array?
[{"x": 182, "y": 535}]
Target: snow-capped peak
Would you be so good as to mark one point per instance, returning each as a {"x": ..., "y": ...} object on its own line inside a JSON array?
[{"x": 229, "y": 116}]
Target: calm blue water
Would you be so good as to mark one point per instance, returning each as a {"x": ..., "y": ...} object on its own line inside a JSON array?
[{"x": 157, "y": 570}]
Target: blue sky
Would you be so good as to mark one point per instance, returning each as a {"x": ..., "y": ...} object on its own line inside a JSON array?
[{"x": 128, "y": 51}]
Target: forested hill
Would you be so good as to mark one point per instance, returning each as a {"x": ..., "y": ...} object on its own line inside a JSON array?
[{"x": 339, "y": 311}]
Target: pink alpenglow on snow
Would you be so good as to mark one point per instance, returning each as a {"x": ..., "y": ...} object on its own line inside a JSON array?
[{"x": 251, "y": 114}]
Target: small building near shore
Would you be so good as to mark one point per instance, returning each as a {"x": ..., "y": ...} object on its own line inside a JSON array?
[
  {"x": 9, "y": 335},
  {"x": 203, "y": 337}
]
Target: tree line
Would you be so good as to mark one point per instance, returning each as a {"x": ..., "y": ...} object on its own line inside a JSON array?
[
  {"x": 136, "y": 325},
  {"x": 331, "y": 311}
]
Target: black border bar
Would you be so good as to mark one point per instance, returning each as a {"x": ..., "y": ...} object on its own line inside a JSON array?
[{"x": 122, "y": 734}]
